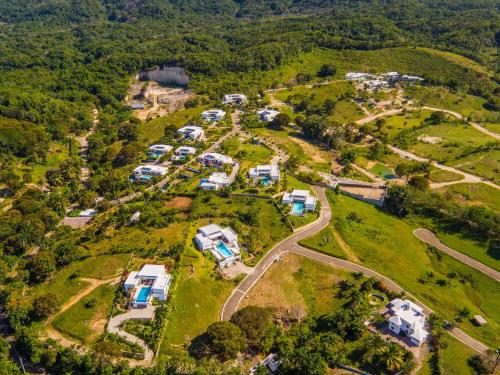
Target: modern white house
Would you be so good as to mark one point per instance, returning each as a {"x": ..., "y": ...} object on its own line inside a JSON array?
[
  {"x": 192, "y": 132},
  {"x": 267, "y": 114},
  {"x": 216, "y": 181},
  {"x": 146, "y": 172},
  {"x": 181, "y": 153},
  {"x": 234, "y": 99},
  {"x": 300, "y": 200},
  {"x": 357, "y": 76},
  {"x": 221, "y": 242},
  {"x": 375, "y": 84},
  {"x": 152, "y": 281},
  {"x": 406, "y": 318},
  {"x": 213, "y": 115},
  {"x": 88, "y": 212},
  {"x": 159, "y": 150},
  {"x": 411, "y": 79},
  {"x": 214, "y": 159},
  {"x": 265, "y": 174}
]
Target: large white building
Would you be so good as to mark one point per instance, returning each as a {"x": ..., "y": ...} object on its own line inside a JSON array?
[
  {"x": 405, "y": 317},
  {"x": 265, "y": 173},
  {"x": 210, "y": 159},
  {"x": 213, "y": 115},
  {"x": 216, "y": 181},
  {"x": 234, "y": 99},
  {"x": 221, "y": 242},
  {"x": 358, "y": 76},
  {"x": 300, "y": 200},
  {"x": 146, "y": 172},
  {"x": 267, "y": 114},
  {"x": 159, "y": 150},
  {"x": 192, "y": 132},
  {"x": 152, "y": 281}
]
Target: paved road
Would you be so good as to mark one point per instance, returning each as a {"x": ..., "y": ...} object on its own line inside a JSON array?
[
  {"x": 134, "y": 314},
  {"x": 290, "y": 245},
  {"x": 430, "y": 238}
]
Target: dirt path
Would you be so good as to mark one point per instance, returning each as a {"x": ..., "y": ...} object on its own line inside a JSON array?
[
  {"x": 93, "y": 284},
  {"x": 430, "y": 238},
  {"x": 84, "y": 146},
  {"x": 345, "y": 247}
]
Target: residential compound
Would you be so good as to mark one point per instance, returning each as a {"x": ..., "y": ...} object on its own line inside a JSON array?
[
  {"x": 216, "y": 181},
  {"x": 234, "y": 99},
  {"x": 213, "y": 115},
  {"x": 191, "y": 132},
  {"x": 145, "y": 173},
  {"x": 406, "y": 318},
  {"x": 158, "y": 150},
  {"x": 267, "y": 114},
  {"x": 382, "y": 81},
  {"x": 221, "y": 242},
  {"x": 150, "y": 282},
  {"x": 300, "y": 200},
  {"x": 181, "y": 153},
  {"x": 265, "y": 174},
  {"x": 213, "y": 159}
]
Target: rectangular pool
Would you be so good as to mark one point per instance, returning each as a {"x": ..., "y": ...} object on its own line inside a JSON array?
[
  {"x": 265, "y": 181},
  {"x": 298, "y": 208},
  {"x": 223, "y": 250},
  {"x": 143, "y": 294}
]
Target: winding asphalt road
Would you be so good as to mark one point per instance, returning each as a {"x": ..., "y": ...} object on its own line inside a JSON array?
[{"x": 290, "y": 246}]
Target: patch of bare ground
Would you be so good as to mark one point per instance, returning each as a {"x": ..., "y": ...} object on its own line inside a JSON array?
[
  {"x": 182, "y": 203},
  {"x": 316, "y": 154}
]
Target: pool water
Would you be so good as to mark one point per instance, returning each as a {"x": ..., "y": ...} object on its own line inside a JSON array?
[
  {"x": 143, "y": 294},
  {"x": 298, "y": 208},
  {"x": 223, "y": 250},
  {"x": 265, "y": 181}
]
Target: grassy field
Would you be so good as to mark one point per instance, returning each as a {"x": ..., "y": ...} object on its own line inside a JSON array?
[
  {"x": 441, "y": 97},
  {"x": 383, "y": 171},
  {"x": 297, "y": 282},
  {"x": 484, "y": 164},
  {"x": 453, "y": 358},
  {"x": 247, "y": 154},
  {"x": 458, "y": 59},
  {"x": 439, "y": 175},
  {"x": 58, "y": 152},
  {"x": 64, "y": 286},
  {"x": 151, "y": 131},
  {"x": 386, "y": 244},
  {"x": 83, "y": 322},
  {"x": 197, "y": 297},
  {"x": 324, "y": 242},
  {"x": 473, "y": 194},
  {"x": 393, "y": 125}
]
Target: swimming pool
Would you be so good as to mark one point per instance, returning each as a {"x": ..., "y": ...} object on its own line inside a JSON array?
[
  {"x": 143, "y": 294},
  {"x": 265, "y": 181},
  {"x": 223, "y": 250},
  {"x": 298, "y": 208}
]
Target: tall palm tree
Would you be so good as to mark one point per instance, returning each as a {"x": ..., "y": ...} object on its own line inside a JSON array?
[{"x": 392, "y": 356}]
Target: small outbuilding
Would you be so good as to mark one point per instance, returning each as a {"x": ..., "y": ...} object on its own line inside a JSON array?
[{"x": 479, "y": 320}]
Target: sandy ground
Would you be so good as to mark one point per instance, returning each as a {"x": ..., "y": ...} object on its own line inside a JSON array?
[{"x": 179, "y": 202}]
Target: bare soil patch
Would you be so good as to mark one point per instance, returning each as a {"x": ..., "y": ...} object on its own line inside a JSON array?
[
  {"x": 312, "y": 151},
  {"x": 179, "y": 202}
]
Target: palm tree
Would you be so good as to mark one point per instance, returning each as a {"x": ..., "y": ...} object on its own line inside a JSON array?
[{"x": 392, "y": 356}]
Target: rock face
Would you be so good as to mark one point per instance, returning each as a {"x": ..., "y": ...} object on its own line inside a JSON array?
[{"x": 167, "y": 76}]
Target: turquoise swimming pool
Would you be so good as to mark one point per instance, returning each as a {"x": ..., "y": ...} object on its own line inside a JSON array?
[
  {"x": 298, "y": 208},
  {"x": 143, "y": 294},
  {"x": 265, "y": 181},
  {"x": 223, "y": 250}
]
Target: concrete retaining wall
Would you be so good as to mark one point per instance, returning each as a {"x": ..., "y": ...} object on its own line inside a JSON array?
[{"x": 168, "y": 76}]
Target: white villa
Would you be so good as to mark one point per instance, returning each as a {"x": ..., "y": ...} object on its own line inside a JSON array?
[
  {"x": 210, "y": 159},
  {"x": 221, "y": 242},
  {"x": 182, "y": 152},
  {"x": 267, "y": 114},
  {"x": 376, "y": 84},
  {"x": 405, "y": 317},
  {"x": 146, "y": 172},
  {"x": 150, "y": 282},
  {"x": 356, "y": 76},
  {"x": 213, "y": 115},
  {"x": 191, "y": 132},
  {"x": 234, "y": 99},
  {"x": 216, "y": 181},
  {"x": 300, "y": 200},
  {"x": 159, "y": 149},
  {"x": 265, "y": 173}
]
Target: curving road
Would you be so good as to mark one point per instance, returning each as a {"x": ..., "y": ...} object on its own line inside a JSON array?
[
  {"x": 290, "y": 245},
  {"x": 430, "y": 238}
]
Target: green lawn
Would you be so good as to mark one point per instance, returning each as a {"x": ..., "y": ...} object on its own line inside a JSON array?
[
  {"x": 324, "y": 242},
  {"x": 64, "y": 286},
  {"x": 439, "y": 175},
  {"x": 58, "y": 152},
  {"x": 393, "y": 125},
  {"x": 484, "y": 164},
  {"x": 453, "y": 358},
  {"x": 294, "y": 183},
  {"x": 383, "y": 171},
  {"x": 458, "y": 59},
  {"x": 246, "y": 153},
  {"x": 86, "y": 323},
  {"x": 473, "y": 194},
  {"x": 299, "y": 221},
  {"x": 386, "y": 244}
]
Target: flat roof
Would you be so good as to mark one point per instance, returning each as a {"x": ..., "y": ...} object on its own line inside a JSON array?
[{"x": 151, "y": 270}]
